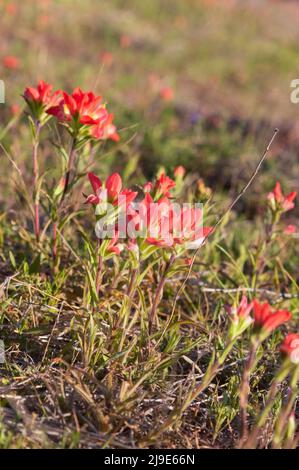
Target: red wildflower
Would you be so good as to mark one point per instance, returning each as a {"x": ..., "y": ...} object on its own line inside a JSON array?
[
  {"x": 85, "y": 109},
  {"x": 290, "y": 347},
  {"x": 290, "y": 229},
  {"x": 42, "y": 95},
  {"x": 107, "y": 58},
  {"x": 114, "y": 246},
  {"x": 41, "y": 99},
  {"x": 15, "y": 109},
  {"x": 280, "y": 202},
  {"x": 240, "y": 317},
  {"x": 179, "y": 172},
  {"x": 110, "y": 192},
  {"x": 147, "y": 187},
  {"x": 243, "y": 310},
  {"x": 163, "y": 185},
  {"x": 167, "y": 94},
  {"x": 162, "y": 224},
  {"x": 188, "y": 229},
  {"x": 150, "y": 221},
  {"x": 105, "y": 129},
  {"x": 267, "y": 319},
  {"x": 11, "y": 62},
  {"x": 113, "y": 186},
  {"x": 96, "y": 184},
  {"x": 11, "y": 9}
]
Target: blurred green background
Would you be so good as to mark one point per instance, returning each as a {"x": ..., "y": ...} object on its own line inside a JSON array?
[{"x": 197, "y": 83}]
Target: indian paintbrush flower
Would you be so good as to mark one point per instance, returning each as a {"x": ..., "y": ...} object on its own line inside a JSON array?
[
  {"x": 279, "y": 202},
  {"x": 240, "y": 317},
  {"x": 85, "y": 116},
  {"x": 267, "y": 320},
  {"x": 41, "y": 99}
]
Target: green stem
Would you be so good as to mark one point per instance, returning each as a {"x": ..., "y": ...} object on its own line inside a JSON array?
[
  {"x": 70, "y": 164},
  {"x": 159, "y": 294},
  {"x": 36, "y": 176},
  {"x": 245, "y": 389},
  {"x": 100, "y": 266}
]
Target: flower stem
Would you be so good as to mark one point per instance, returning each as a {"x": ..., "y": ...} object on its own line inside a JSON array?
[
  {"x": 36, "y": 176},
  {"x": 159, "y": 294},
  {"x": 245, "y": 389},
  {"x": 70, "y": 163},
  {"x": 99, "y": 274}
]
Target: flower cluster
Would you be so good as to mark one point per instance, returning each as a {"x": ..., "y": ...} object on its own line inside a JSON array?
[
  {"x": 153, "y": 220},
  {"x": 41, "y": 99},
  {"x": 83, "y": 113},
  {"x": 265, "y": 320}
]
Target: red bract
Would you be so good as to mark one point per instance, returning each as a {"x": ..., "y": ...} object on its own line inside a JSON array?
[
  {"x": 165, "y": 224},
  {"x": 105, "y": 129},
  {"x": 85, "y": 109},
  {"x": 163, "y": 186},
  {"x": 11, "y": 9},
  {"x": 150, "y": 220},
  {"x": 42, "y": 95},
  {"x": 15, "y": 109},
  {"x": 147, "y": 187},
  {"x": 243, "y": 310},
  {"x": 167, "y": 94},
  {"x": 107, "y": 58},
  {"x": 290, "y": 229},
  {"x": 110, "y": 192},
  {"x": 114, "y": 246},
  {"x": 267, "y": 319},
  {"x": 96, "y": 184},
  {"x": 280, "y": 202},
  {"x": 113, "y": 186},
  {"x": 11, "y": 62},
  {"x": 290, "y": 347},
  {"x": 187, "y": 227}
]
